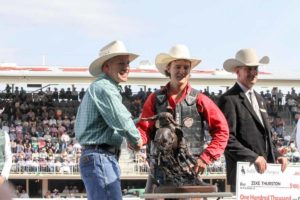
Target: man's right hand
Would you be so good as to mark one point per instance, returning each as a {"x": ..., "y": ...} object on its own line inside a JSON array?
[
  {"x": 137, "y": 147},
  {"x": 260, "y": 164},
  {"x": 2, "y": 180}
]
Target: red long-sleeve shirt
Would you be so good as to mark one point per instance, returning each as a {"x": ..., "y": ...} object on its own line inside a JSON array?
[{"x": 217, "y": 124}]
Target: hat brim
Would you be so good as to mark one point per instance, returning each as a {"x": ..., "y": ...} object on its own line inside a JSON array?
[
  {"x": 163, "y": 59},
  {"x": 95, "y": 68},
  {"x": 230, "y": 64}
]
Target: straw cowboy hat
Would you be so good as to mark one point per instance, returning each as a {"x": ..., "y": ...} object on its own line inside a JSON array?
[
  {"x": 115, "y": 48},
  {"x": 245, "y": 57},
  {"x": 177, "y": 52}
]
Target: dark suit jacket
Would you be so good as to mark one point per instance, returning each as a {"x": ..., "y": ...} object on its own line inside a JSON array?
[{"x": 249, "y": 138}]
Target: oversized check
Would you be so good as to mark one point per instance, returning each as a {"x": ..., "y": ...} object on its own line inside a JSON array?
[{"x": 271, "y": 185}]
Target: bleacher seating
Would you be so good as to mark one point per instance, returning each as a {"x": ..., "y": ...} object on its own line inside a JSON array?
[{"x": 41, "y": 129}]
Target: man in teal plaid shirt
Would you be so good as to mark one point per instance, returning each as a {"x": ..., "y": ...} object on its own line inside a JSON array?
[{"x": 103, "y": 121}]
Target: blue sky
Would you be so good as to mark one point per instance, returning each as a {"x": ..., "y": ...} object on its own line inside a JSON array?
[{"x": 71, "y": 32}]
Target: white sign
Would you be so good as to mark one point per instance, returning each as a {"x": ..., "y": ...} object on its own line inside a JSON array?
[{"x": 271, "y": 185}]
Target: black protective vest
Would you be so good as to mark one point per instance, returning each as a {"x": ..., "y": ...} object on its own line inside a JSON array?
[{"x": 186, "y": 115}]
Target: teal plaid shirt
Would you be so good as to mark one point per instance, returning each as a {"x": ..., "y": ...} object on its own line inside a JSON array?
[{"x": 101, "y": 116}]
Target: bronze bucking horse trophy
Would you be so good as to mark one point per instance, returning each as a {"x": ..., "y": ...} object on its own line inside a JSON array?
[{"x": 170, "y": 153}]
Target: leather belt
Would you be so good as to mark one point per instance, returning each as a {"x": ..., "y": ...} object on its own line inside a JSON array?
[{"x": 106, "y": 147}]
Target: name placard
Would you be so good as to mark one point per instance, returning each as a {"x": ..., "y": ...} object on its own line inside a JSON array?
[{"x": 271, "y": 185}]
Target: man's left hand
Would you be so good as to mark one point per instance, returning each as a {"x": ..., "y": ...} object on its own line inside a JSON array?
[
  {"x": 283, "y": 161},
  {"x": 200, "y": 167}
]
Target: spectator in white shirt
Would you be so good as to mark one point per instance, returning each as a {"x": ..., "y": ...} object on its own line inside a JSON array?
[{"x": 24, "y": 194}]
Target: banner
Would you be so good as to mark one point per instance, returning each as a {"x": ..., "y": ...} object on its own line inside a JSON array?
[{"x": 271, "y": 185}]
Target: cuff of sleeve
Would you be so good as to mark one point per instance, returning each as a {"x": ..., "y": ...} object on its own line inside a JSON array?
[
  {"x": 137, "y": 142},
  {"x": 252, "y": 158},
  {"x": 206, "y": 158}
]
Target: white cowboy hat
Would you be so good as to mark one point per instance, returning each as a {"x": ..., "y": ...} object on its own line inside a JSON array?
[
  {"x": 177, "y": 52},
  {"x": 115, "y": 48},
  {"x": 245, "y": 57}
]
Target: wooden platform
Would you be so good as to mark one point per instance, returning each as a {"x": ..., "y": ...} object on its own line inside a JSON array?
[
  {"x": 216, "y": 195},
  {"x": 186, "y": 192},
  {"x": 186, "y": 189}
]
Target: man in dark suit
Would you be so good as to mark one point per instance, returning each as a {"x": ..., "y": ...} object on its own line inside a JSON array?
[{"x": 250, "y": 137}]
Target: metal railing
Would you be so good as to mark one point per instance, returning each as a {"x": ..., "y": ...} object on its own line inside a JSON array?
[{"x": 127, "y": 168}]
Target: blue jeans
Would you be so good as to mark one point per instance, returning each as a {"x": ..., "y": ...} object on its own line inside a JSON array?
[{"x": 100, "y": 172}]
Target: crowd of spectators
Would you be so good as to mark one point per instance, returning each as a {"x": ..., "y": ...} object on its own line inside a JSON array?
[
  {"x": 41, "y": 126},
  {"x": 41, "y": 129},
  {"x": 67, "y": 192}
]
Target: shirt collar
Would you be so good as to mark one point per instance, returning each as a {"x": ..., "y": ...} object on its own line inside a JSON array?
[
  {"x": 187, "y": 89},
  {"x": 112, "y": 81},
  {"x": 245, "y": 90}
]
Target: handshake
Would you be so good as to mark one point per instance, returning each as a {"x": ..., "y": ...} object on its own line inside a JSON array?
[{"x": 137, "y": 147}]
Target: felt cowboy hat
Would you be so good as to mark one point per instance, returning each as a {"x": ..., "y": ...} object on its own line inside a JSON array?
[
  {"x": 177, "y": 52},
  {"x": 244, "y": 57},
  {"x": 115, "y": 48}
]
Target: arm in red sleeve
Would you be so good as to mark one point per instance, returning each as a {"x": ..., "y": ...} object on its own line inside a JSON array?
[
  {"x": 217, "y": 127},
  {"x": 145, "y": 127}
]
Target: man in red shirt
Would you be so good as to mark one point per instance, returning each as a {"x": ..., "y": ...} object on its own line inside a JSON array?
[{"x": 192, "y": 111}]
